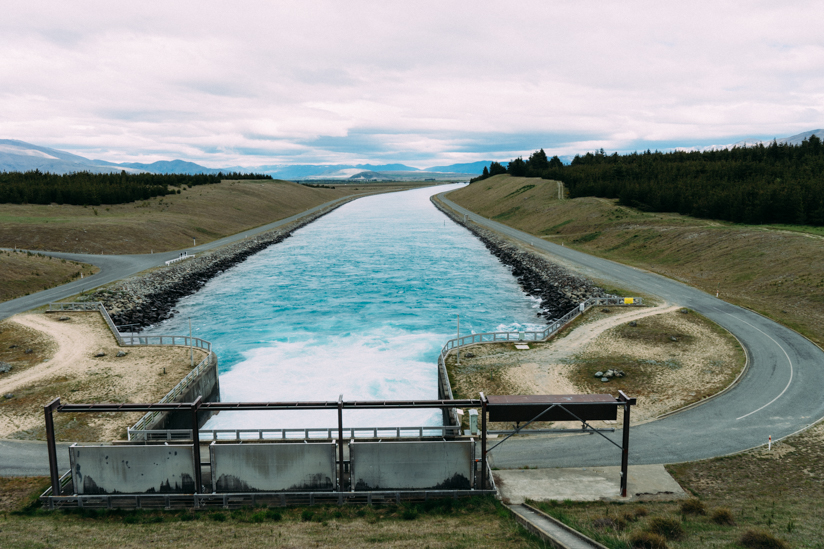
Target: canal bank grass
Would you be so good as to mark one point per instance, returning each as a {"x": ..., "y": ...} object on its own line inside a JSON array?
[
  {"x": 204, "y": 212},
  {"x": 25, "y": 273},
  {"x": 771, "y": 270},
  {"x": 471, "y": 523},
  {"x": 779, "y": 491},
  {"x": 63, "y": 363},
  {"x": 671, "y": 357}
]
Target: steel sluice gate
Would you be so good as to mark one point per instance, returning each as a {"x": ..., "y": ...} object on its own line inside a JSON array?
[{"x": 273, "y": 467}]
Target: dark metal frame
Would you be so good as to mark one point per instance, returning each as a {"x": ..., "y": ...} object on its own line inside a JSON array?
[
  {"x": 622, "y": 401},
  {"x": 199, "y": 406}
]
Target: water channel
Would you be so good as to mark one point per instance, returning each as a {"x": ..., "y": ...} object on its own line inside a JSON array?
[{"x": 357, "y": 303}]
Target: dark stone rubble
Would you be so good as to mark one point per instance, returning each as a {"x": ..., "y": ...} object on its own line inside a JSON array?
[{"x": 559, "y": 289}]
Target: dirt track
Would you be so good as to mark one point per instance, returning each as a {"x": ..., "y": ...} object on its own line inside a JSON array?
[{"x": 76, "y": 375}]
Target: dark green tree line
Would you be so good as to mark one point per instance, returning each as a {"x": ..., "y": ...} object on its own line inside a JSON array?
[
  {"x": 94, "y": 189},
  {"x": 777, "y": 183}
]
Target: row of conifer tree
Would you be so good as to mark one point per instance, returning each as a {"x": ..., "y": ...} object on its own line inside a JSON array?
[
  {"x": 776, "y": 183},
  {"x": 94, "y": 189}
]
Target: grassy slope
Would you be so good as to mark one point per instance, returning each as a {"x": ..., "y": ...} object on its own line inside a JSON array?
[
  {"x": 23, "y": 273},
  {"x": 205, "y": 212},
  {"x": 774, "y": 271}
]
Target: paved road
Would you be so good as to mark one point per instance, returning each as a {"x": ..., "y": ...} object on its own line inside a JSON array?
[
  {"x": 115, "y": 267},
  {"x": 779, "y": 395}
]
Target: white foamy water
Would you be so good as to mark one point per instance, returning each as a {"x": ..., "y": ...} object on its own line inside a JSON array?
[{"x": 357, "y": 303}]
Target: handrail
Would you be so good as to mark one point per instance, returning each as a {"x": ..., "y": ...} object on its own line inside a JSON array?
[
  {"x": 535, "y": 335},
  {"x": 305, "y": 433},
  {"x": 137, "y": 340}
]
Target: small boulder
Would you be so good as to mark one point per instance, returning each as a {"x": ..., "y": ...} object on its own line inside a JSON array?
[
  {"x": 469, "y": 355},
  {"x": 8, "y": 396},
  {"x": 599, "y": 374},
  {"x": 99, "y": 354},
  {"x": 12, "y": 346},
  {"x": 684, "y": 311},
  {"x": 5, "y": 367},
  {"x": 633, "y": 324},
  {"x": 64, "y": 318},
  {"x": 28, "y": 351},
  {"x": 121, "y": 353},
  {"x": 673, "y": 338},
  {"x": 604, "y": 379}
]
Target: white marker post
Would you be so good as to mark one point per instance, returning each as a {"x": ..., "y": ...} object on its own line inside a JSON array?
[
  {"x": 769, "y": 444},
  {"x": 458, "y": 343}
]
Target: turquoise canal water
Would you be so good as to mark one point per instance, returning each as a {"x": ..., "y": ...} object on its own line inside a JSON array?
[{"x": 358, "y": 303}]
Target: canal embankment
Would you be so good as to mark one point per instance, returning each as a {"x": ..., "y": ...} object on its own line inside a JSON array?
[
  {"x": 149, "y": 298},
  {"x": 558, "y": 289}
]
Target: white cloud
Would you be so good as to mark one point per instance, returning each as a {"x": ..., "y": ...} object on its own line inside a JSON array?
[{"x": 289, "y": 81}]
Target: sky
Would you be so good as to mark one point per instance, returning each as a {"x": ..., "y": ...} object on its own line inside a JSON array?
[{"x": 422, "y": 83}]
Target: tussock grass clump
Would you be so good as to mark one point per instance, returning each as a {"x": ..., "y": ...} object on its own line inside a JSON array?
[
  {"x": 693, "y": 506},
  {"x": 616, "y": 524},
  {"x": 641, "y": 512},
  {"x": 647, "y": 540},
  {"x": 628, "y": 516},
  {"x": 670, "y": 528},
  {"x": 761, "y": 539},
  {"x": 722, "y": 515}
]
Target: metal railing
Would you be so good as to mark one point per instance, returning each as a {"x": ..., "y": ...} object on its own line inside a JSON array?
[
  {"x": 297, "y": 433},
  {"x": 137, "y": 340},
  {"x": 523, "y": 335},
  {"x": 180, "y": 258},
  {"x": 138, "y": 430}
]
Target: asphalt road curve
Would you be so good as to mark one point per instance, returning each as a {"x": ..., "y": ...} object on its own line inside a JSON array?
[
  {"x": 780, "y": 393},
  {"x": 115, "y": 267}
]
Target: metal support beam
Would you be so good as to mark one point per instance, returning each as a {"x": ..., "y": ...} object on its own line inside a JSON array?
[
  {"x": 196, "y": 446},
  {"x": 483, "y": 442},
  {"x": 340, "y": 443},
  {"x": 625, "y": 443},
  {"x": 52, "y": 447}
]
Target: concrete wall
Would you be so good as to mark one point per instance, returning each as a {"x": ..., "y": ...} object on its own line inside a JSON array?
[
  {"x": 207, "y": 386},
  {"x": 419, "y": 465},
  {"x": 132, "y": 469},
  {"x": 273, "y": 467},
  {"x": 450, "y": 416}
]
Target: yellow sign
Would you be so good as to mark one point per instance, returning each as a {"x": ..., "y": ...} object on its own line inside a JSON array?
[{"x": 628, "y": 301}]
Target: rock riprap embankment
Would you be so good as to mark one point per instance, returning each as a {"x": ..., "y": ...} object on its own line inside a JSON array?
[
  {"x": 147, "y": 299},
  {"x": 559, "y": 290}
]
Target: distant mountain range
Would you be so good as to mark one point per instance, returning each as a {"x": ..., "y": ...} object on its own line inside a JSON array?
[
  {"x": 21, "y": 156},
  {"x": 792, "y": 140}
]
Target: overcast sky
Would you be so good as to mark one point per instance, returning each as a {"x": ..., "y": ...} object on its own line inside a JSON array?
[{"x": 423, "y": 83}]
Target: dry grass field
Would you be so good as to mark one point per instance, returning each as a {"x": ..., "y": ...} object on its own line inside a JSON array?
[
  {"x": 24, "y": 273},
  {"x": 772, "y": 270},
  {"x": 480, "y": 522},
  {"x": 204, "y": 212}
]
